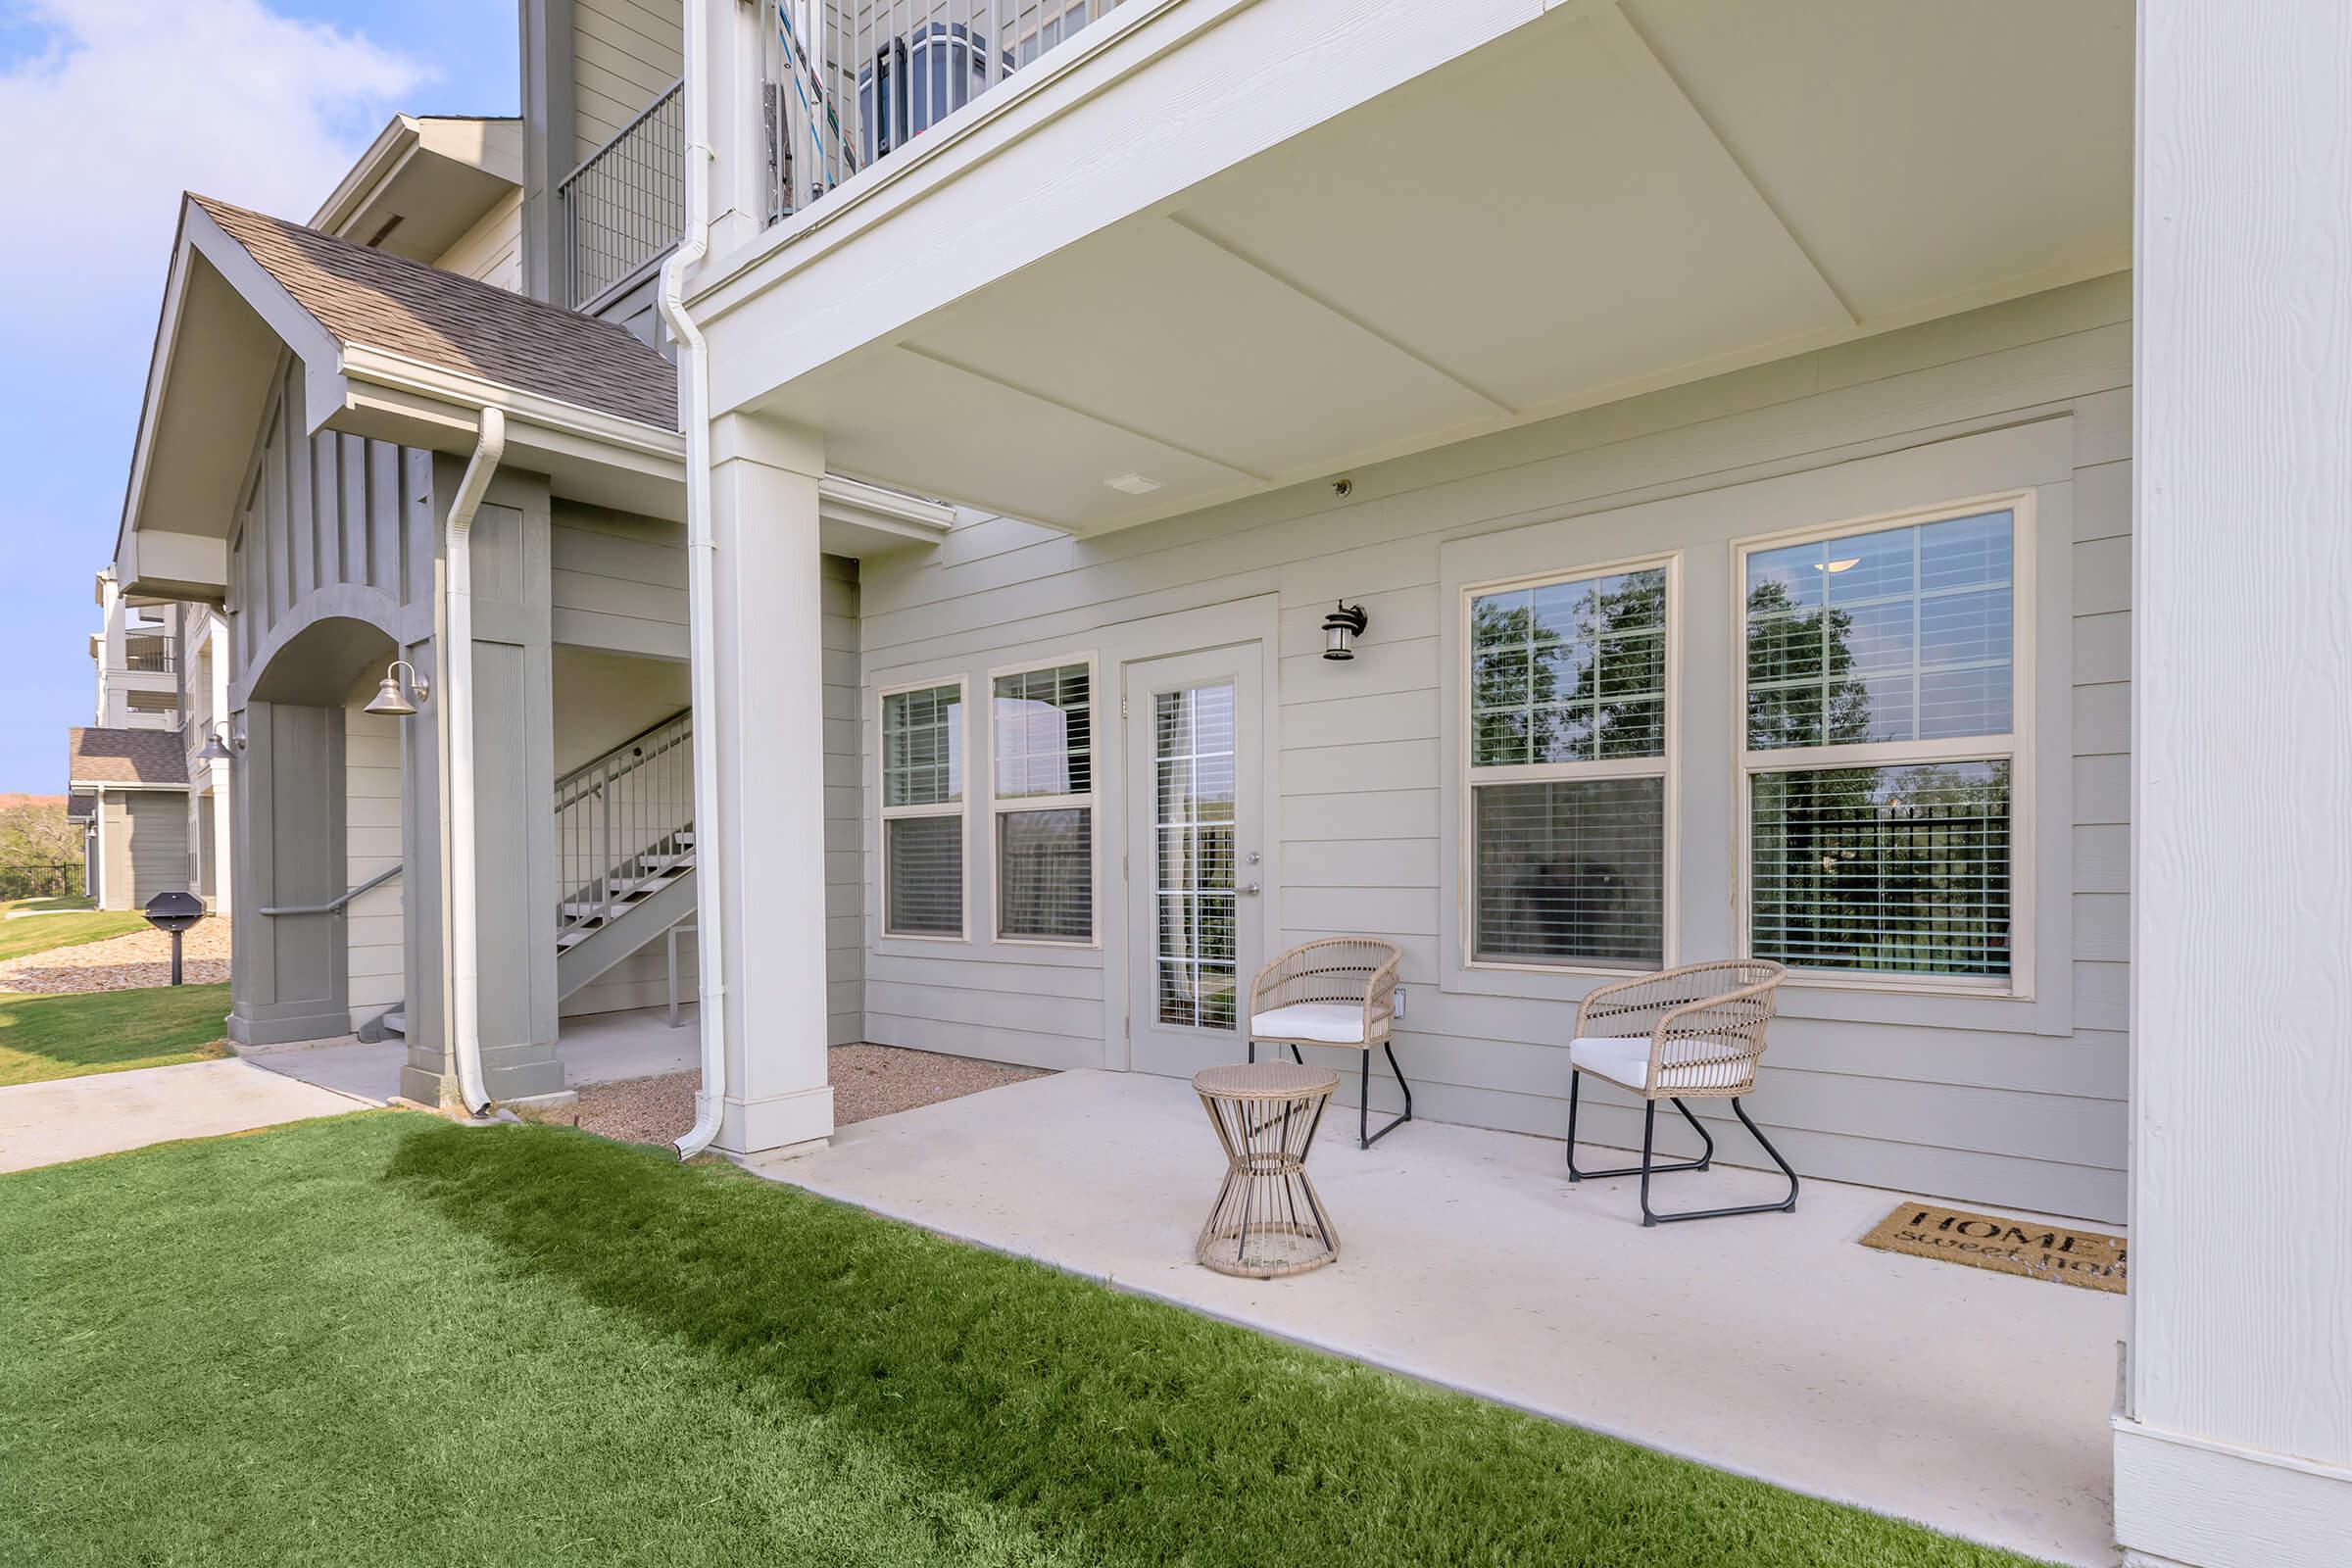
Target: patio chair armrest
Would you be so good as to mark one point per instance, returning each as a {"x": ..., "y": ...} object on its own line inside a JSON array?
[
  {"x": 1598, "y": 1004},
  {"x": 1732, "y": 1022}
]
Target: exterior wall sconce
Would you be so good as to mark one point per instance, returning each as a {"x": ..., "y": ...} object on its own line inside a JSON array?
[
  {"x": 1342, "y": 627},
  {"x": 389, "y": 697},
  {"x": 215, "y": 749}
]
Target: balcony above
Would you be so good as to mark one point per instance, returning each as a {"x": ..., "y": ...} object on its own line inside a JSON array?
[
  {"x": 1204, "y": 249},
  {"x": 624, "y": 207}
]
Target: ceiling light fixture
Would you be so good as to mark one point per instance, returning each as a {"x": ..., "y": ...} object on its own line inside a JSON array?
[{"x": 1134, "y": 484}]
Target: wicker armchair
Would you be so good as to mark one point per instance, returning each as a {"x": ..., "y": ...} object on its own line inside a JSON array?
[
  {"x": 1340, "y": 990},
  {"x": 1692, "y": 1032}
]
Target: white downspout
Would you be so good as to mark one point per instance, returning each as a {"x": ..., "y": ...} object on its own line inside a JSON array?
[
  {"x": 457, "y": 686},
  {"x": 694, "y": 398}
]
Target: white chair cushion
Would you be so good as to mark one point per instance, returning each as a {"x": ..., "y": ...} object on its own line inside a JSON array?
[
  {"x": 1626, "y": 1062},
  {"x": 1328, "y": 1023},
  {"x": 1621, "y": 1061}
]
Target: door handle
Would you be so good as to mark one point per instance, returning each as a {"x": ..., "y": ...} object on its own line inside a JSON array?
[{"x": 1249, "y": 889}]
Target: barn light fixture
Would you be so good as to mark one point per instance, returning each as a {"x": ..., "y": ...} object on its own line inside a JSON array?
[
  {"x": 1342, "y": 627},
  {"x": 389, "y": 698},
  {"x": 215, "y": 749}
]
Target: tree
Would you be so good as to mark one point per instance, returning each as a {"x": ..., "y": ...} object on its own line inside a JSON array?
[{"x": 40, "y": 851}]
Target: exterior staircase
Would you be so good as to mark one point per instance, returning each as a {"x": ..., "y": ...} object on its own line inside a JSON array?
[{"x": 624, "y": 855}]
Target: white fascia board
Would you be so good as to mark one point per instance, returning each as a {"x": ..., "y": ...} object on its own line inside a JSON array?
[
  {"x": 173, "y": 568},
  {"x": 857, "y": 518},
  {"x": 110, "y": 786},
  {"x": 382, "y": 158},
  {"x": 366, "y": 371}
]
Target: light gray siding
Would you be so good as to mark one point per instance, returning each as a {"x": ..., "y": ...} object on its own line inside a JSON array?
[
  {"x": 625, "y": 54},
  {"x": 2019, "y": 1102}
]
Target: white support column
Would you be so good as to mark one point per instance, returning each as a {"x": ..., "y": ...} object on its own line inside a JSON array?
[
  {"x": 2235, "y": 1450},
  {"x": 770, "y": 730},
  {"x": 223, "y": 808}
]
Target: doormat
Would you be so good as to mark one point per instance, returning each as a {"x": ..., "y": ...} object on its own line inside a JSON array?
[{"x": 2033, "y": 1248}]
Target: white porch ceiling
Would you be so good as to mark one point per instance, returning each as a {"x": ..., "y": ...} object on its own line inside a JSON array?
[{"x": 1605, "y": 201}]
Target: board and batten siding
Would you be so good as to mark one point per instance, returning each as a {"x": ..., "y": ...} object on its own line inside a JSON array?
[
  {"x": 625, "y": 54},
  {"x": 2015, "y": 1103},
  {"x": 372, "y": 922},
  {"x": 618, "y": 583}
]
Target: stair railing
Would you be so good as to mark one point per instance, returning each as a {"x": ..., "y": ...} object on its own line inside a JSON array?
[{"x": 622, "y": 818}]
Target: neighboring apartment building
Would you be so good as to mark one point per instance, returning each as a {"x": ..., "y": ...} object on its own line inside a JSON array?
[
  {"x": 134, "y": 659},
  {"x": 1730, "y": 425}
]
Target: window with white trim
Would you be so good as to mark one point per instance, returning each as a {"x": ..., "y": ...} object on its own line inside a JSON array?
[
  {"x": 1567, "y": 730},
  {"x": 1042, "y": 803},
  {"x": 1881, "y": 689},
  {"x": 922, "y": 811}
]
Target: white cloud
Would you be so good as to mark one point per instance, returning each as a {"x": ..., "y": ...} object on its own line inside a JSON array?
[{"x": 130, "y": 103}]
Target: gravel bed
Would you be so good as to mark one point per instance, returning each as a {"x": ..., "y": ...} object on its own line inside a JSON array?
[
  {"x": 130, "y": 962},
  {"x": 868, "y": 1081}
]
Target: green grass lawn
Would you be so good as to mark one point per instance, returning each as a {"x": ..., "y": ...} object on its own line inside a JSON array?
[
  {"x": 386, "y": 1340},
  {"x": 54, "y": 900},
  {"x": 20, "y": 938},
  {"x": 108, "y": 1031}
]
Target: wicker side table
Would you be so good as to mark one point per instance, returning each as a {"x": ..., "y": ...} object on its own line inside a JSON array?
[{"x": 1268, "y": 1221}]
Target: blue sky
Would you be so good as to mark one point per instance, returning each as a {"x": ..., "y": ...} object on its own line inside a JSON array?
[{"x": 260, "y": 101}]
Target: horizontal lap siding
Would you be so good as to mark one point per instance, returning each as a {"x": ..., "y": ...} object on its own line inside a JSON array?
[
  {"x": 2034, "y": 1120},
  {"x": 373, "y": 927},
  {"x": 625, "y": 53},
  {"x": 491, "y": 252}
]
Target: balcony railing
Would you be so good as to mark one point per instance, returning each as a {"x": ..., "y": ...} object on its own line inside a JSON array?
[
  {"x": 148, "y": 656},
  {"x": 850, "y": 82},
  {"x": 625, "y": 204}
]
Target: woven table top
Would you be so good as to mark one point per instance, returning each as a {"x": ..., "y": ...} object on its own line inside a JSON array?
[{"x": 1264, "y": 1080}]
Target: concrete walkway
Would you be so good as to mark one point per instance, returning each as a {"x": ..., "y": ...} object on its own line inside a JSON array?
[
  {"x": 597, "y": 1048},
  {"x": 105, "y": 1113},
  {"x": 1773, "y": 1345}
]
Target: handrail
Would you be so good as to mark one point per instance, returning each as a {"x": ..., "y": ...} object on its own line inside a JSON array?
[
  {"x": 610, "y": 752},
  {"x": 330, "y": 908},
  {"x": 614, "y": 140}
]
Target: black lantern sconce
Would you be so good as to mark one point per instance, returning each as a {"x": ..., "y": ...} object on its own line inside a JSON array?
[{"x": 1342, "y": 627}]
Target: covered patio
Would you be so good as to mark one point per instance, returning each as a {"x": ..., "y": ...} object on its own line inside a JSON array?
[{"x": 1776, "y": 1346}]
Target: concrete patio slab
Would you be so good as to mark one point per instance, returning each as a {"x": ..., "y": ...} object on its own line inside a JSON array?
[
  {"x": 106, "y": 1113},
  {"x": 1773, "y": 1345}
]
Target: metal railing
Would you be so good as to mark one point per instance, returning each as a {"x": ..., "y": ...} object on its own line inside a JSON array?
[
  {"x": 147, "y": 655},
  {"x": 335, "y": 905},
  {"x": 848, "y": 82},
  {"x": 622, "y": 820},
  {"x": 625, "y": 204}
]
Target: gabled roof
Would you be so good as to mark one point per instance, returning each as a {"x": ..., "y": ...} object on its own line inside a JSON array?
[
  {"x": 376, "y": 300},
  {"x": 156, "y": 758}
]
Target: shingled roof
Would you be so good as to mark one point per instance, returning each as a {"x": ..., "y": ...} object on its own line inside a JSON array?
[
  {"x": 100, "y": 756},
  {"x": 381, "y": 301}
]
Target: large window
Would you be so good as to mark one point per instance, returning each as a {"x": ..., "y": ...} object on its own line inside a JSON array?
[
  {"x": 922, "y": 811},
  {"x": 1568, "y": 725},
  {"x": 1882, "y": 692},
  {"x": 1042, "y": 722}
]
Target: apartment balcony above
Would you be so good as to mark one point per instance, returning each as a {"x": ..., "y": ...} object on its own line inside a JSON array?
[
  {"x": 624, "y": 207},
  {"x": 1191, "y": 250}
]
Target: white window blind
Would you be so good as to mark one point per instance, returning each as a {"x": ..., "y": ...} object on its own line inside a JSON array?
[
  {"x": 922, "y": 811},
  {"x": 1568, "y": 723},
  {"x": 1891, "y": 650},
  {"x": 1196, "y": 964},
  {"x": 1041, "y": 729}
]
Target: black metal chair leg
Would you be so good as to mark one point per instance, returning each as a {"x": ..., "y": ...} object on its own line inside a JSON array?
[
  {"x": 1649, "y": 1127},
  {"x": 1295, "y": 1057},
  {"x": 1707, "y": 1159},
  {"x": 1575, "y": 1175},
  {"x": 1365, "y": 1137},
  {"x": 1784, "y": 1206}
]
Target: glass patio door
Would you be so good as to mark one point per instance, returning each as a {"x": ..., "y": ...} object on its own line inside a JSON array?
[{"x": 1194, "y": 856}]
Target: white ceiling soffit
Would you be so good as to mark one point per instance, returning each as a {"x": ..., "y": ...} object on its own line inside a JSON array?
[{"x": 1598, "y": 204}]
